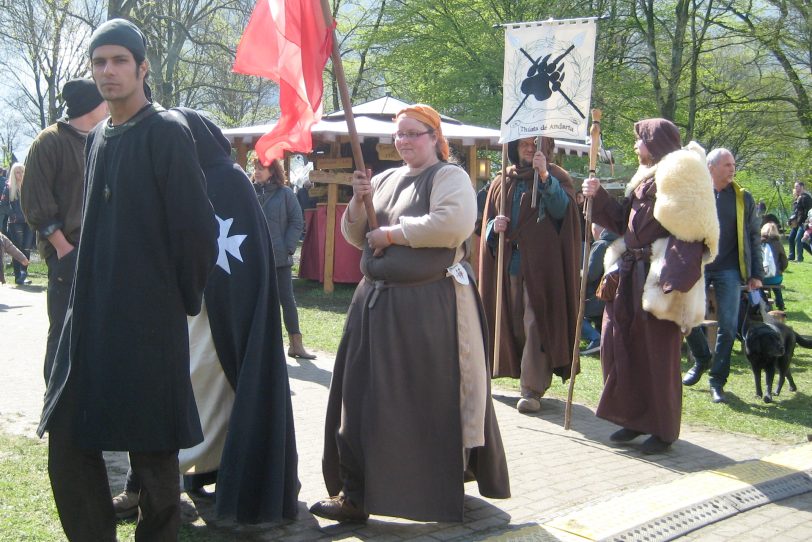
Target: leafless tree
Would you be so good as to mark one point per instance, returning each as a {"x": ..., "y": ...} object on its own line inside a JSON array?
[{"x": 42, "y": 45}]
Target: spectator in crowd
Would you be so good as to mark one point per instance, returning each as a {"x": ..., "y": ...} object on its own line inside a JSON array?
[
  {"x": 286, "y": 222},
  {"x": 5, "y": 209},
  {"x": 7, "y": 246},
  {"x": 593, "y": 306},
  {"x": 801, "y": 205},
  {"x": 18, "y": 230},
  {"x": 52, "y": 196},
  {"x": 774, "y": 274},
  {"x": 806, "y": 238},
  {"x": 738, "y": 262}
]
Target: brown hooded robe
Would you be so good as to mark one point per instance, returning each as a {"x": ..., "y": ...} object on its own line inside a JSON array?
[{"x": 550, "y": 268}]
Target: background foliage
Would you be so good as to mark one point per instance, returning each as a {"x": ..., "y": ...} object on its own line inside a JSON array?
[{"x": 733, "y": 73}]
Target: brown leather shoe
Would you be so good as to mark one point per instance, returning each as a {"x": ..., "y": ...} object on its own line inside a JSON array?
[{"x": 339, "y": 508}]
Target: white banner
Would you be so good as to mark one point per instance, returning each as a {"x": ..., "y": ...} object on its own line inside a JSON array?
[{"x": 548, "y": 79}]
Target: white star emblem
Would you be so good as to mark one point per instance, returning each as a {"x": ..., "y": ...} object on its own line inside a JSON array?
[{"x": 226, "y": 244}]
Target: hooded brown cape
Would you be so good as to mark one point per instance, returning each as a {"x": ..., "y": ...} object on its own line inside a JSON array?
[{"x": 550, "y": 268}]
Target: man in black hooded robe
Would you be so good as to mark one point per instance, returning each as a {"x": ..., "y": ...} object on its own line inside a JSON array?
[{"x": 120, "y": 379}]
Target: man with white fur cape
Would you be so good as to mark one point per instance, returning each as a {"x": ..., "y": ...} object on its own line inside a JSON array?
[{"x": 669, "y": 231}]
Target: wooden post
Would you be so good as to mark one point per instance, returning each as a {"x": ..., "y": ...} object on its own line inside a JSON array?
[
  {"x": 242, "y": 152},
  {"x": 330, "y": 238},
  {"x": 473, "y": 173},
  {"x": 473, "y": 166}
]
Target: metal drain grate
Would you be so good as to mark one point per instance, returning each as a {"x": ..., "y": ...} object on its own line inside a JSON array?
[
  {"x": 694, "y": 517},
  {"x": 679, "y": 523},
  {"x": 771, "y": 491}
]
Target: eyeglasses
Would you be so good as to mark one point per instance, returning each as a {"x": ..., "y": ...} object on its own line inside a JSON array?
[{"x": 410, "y": 135}]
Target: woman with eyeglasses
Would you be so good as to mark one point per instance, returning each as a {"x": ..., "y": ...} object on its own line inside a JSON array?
[{"x": 410, "y": 417}]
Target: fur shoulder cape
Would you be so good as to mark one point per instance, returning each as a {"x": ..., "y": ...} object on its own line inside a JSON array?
[{"x": 686, "y": 207}]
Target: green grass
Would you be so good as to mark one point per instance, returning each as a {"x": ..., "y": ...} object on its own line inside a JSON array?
[
  {"x": 321, "y": 316},
  {"x": 37, "y": 271},
  {"x": 27, "y": 510}
]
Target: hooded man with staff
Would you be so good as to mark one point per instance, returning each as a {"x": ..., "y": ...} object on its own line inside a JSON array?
[
  {"x": 652, "y": 283},
  {"x": 539, "y": 309}
]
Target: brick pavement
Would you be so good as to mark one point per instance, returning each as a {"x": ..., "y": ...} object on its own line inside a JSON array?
[{"x": 552, "y": 470}]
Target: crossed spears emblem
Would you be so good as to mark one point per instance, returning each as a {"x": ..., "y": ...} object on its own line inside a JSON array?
[{"x": 544, "y": 78}]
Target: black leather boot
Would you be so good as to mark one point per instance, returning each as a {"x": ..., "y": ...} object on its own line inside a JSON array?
[{"x": 694, "y": 374}]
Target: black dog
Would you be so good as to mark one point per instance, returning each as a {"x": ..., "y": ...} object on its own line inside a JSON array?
[{"x": 769, "y": 347}]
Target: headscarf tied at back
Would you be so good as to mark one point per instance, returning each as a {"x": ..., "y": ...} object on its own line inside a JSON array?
[
  {"x": 428, "y": 116},
  {"x": 660, "y": 136}
]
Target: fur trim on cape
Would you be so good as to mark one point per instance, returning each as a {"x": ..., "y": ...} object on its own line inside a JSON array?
[{"x": 686, "y": 207}]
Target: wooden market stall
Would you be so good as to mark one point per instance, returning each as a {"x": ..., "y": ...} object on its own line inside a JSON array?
[{"x": 333, "y": 164}]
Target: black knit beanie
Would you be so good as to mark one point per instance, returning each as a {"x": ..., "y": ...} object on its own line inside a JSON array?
[
  {"x": 120, "y": 32},
  {"x": 81, "y": 96}
]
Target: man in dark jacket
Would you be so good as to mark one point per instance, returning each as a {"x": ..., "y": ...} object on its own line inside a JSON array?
[
  {"x": 120, "y": 379},
  {"x": 801, "y": 205},
  {"x": 593, "y": 307},
  {"x": 738, "y": 262},
  {"x": 52, "y": 196}
]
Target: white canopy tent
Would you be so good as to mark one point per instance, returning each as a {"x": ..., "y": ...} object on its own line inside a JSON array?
[{"x": 374, "y": 120}]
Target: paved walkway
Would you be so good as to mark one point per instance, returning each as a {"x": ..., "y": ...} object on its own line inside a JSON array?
[{"x": 554, "y": 473}]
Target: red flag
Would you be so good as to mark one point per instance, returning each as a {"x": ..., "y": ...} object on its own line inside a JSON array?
[{"x": 289, "y": 42}]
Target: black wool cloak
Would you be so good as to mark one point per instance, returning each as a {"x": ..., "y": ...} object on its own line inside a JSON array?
[
  {"x": 257, "y": 481},
  {"x": 149, "y": 241}
]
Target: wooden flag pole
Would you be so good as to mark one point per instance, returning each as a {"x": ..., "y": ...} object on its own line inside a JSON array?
[
  {"x": 534, "y": 200},
  {"x": 595, "y": 135},
  {"x": 500, "y": 258},
  {"x": 341, "y": 80}
]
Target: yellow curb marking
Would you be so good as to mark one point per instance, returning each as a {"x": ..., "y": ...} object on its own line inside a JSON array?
[{"x": 623, "y": 512}]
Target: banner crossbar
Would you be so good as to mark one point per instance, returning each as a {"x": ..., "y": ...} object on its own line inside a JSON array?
[{"x": 550, "y": 21}]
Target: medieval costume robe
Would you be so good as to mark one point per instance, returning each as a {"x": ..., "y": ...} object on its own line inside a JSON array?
[
  {"x": 549, "y": 268},
  {"x": 238, "y": 366},
  {"x": 668, "y": 231},
  {"x": 410, "y": 390},
  {"x": 148, "y": 224}
]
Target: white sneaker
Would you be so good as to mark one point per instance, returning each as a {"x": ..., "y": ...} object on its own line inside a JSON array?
[
  {"x": 125, "y": 504},
  {"x": 528, "y": 405}
]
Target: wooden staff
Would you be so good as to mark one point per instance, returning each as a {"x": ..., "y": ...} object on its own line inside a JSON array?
[
  {"x": 535, "y": 198},
  {"x": 341, "y": 80},
  {"x": 500, "y": 258},
  {"x": 595, "y": 135}
]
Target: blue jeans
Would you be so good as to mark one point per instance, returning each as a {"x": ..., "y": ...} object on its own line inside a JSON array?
[
  {"x": 588, "y": 332},
  {"x": 23, "y": 238},
  {"x": 796, "y": 249},
  {"x": 727, "y": 285}
]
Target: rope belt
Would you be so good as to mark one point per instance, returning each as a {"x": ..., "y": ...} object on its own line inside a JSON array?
[{"x": 380, "y": 285}]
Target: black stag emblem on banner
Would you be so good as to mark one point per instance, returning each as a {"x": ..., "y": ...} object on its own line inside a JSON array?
[{"x": 544, "y": 78}]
